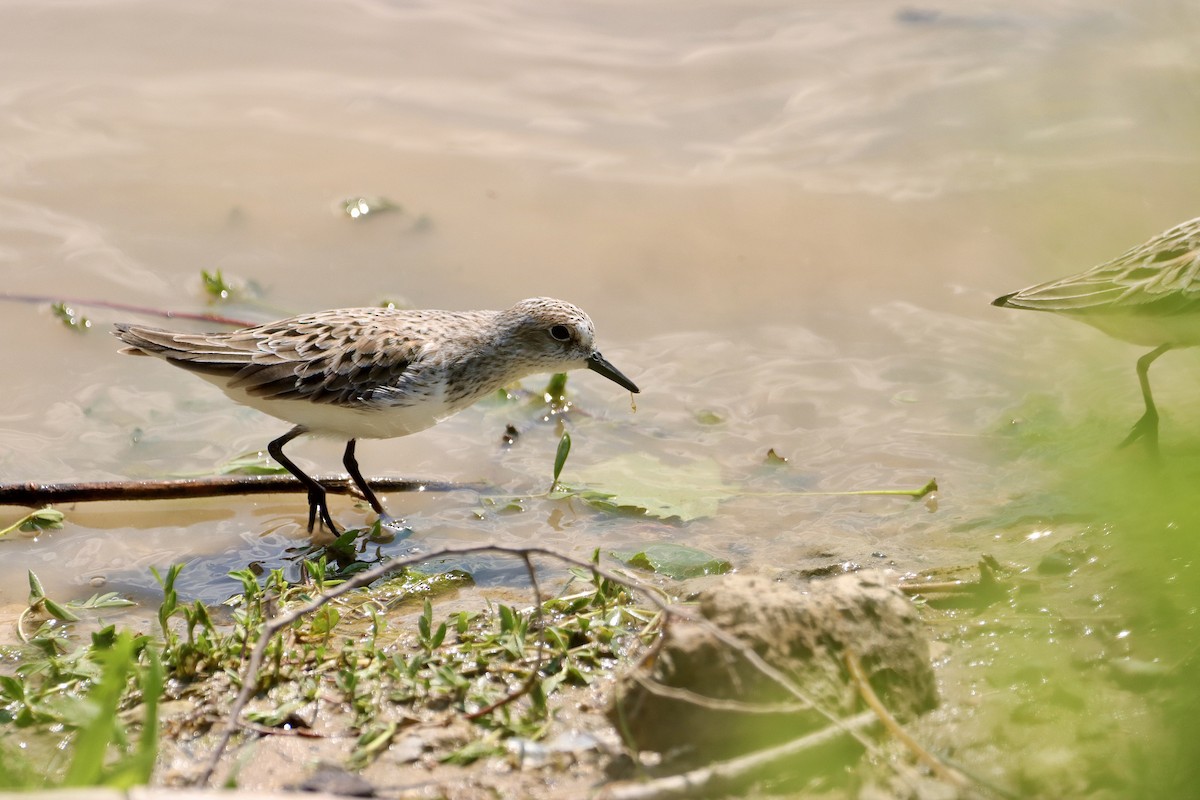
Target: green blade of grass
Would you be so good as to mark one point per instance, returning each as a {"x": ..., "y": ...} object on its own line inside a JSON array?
[{"x": 91, "y": 744}]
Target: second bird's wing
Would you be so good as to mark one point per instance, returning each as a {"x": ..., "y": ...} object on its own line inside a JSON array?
[{"x": 1161, "y": 276}]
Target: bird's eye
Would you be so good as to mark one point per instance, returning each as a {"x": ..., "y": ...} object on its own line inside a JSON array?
[{"x": 561, "y": 332}]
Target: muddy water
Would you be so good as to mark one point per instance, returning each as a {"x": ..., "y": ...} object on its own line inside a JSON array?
[{"x": 787, "y": 221}]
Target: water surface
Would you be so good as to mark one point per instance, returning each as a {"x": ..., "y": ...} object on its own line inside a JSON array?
[{"x": 786, "y": 220}]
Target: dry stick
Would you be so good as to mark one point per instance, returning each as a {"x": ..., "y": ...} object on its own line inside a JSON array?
[
  {"x": 724, "y": 774},
  {"x": 940, "y": 769},
  {"x": 33, "y": 494},
  {"x": 275, "y": 625}
]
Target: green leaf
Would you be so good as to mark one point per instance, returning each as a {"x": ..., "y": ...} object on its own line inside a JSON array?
[
  {"x": 372, "y": 741},
  {"x": 556, "y": 389},
  {"x": 57, "y": 611},
  {"x": 106, "y": 600},
  {"x": 70, "y": 317},
  {"x": 640, "y": 482},
  {"x": 325, "y": 619},
  {"x": 36, "y": 591},
  {"x": 43, "y": 519},
  {"x": 276, "y": 716},
  {"x": 101, "y": 729},
  {"x": 12, "y": 688},
  {"x": 473, "y": 751},
  {"x": 673, "y": 560},
  {"x": 438, "y": 637},
  {"x": 252, "y": 463},
  {"x": 508, "y": 619},
  {"x": 425, "y": 621},
  {"x": 141, "y": 766},
  {"x": 560, "y": 457}
]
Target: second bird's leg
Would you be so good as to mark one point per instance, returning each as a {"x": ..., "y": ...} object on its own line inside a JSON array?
[
  {"x": 1146, "y": 427},
  {"x": 317, "y": 503}
]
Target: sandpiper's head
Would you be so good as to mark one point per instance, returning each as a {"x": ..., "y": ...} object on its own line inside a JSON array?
[{"x": 558, "y": 337}]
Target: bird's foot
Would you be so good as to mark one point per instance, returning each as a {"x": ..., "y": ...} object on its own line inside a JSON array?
[
  {"x": 1145, "y": 429},
  {"x": 388, "y": 521},
  {"x": 318, "y": 508}
]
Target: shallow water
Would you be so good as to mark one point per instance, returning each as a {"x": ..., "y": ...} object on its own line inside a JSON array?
[{"x": 790, "y": 217}]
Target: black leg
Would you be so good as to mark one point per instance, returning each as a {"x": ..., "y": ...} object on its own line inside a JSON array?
[
  {"x": 1146, "y": 427},
  {"x": 317, "y": 504},
  {"x": 355, "y": 475}
]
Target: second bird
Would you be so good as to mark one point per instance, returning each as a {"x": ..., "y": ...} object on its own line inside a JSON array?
[
  {"x": 377, "y": 373},
  {"x": 1149, "y": 295}
]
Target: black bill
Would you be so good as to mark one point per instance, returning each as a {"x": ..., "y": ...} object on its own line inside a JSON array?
[{"x": 597, "y": 363}]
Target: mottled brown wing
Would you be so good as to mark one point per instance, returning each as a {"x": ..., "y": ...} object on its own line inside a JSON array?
[{"x": 342, "y": 358}]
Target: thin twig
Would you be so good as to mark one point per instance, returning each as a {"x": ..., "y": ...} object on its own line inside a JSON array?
[
  {"x": 859, "y": 676},
  {"x": 938, "y": 587},
  {"x": 725, "y": 775},
  {"x": 717, "y": 703},
  {"x": 33, "y": 494},
  {"x": 132, "y": 309}
]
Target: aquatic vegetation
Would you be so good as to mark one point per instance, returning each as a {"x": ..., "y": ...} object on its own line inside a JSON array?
[{"x": 379, "y": 666}]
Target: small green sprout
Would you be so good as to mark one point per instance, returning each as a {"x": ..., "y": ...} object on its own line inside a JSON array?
[
  {"x": 70, "y": 317},
  {"x": 215, "y": 285},
  {"x": 360, "y": 208},
  {"x": 560, "y": 458}
]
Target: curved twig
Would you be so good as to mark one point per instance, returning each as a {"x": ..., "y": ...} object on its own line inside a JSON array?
[
  {"x": 725, "y": 775},
  {"x": 863, "y": 683}
]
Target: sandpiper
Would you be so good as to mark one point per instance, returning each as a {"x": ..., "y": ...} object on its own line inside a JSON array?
[
  {"x": 1149, "y": 295},
  {"x": 377, "y": 373}
]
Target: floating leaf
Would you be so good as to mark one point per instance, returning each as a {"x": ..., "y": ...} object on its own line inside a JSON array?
[
  {"x": 640, "y": 482},
  {"x": 252, "y": 463},
  {"x": 674, "y": 560}
]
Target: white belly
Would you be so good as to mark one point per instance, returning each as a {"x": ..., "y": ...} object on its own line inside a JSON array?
[
  {"x": 1179, "y": 330},
  {"x": 349, "y": 422}
]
